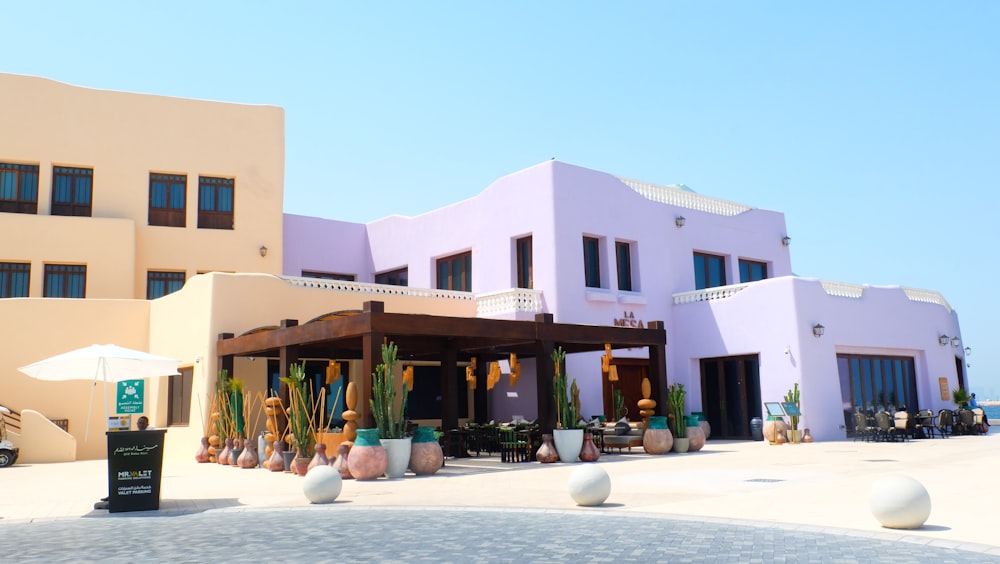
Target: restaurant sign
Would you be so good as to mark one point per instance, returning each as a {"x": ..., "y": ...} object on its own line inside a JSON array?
[{"x": 628, "y": 320}]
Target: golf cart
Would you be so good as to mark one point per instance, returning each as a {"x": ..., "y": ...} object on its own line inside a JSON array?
[{"x": 8, "y": 452}]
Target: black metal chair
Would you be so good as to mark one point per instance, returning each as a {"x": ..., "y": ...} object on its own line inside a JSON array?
[{"x": 513, "y": 447}]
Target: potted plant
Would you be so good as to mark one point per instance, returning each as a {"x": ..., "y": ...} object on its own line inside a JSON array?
[
  {"x": 618, "y": 398},
  {"x": 960, "y": 397},
  {"x": 794, "y": 434},
  {"x": 389, "y": 414},
  {"x": 300, "y": 418},
  {"x": 678, "y": 425},
  {"x": 568, "y": 437}
]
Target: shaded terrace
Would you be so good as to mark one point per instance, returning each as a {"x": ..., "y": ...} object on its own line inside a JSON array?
[{"x": 448, "y": 340}]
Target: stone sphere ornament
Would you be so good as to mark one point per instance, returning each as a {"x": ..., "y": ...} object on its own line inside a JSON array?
[
  {"x": 899, "y": 502},
  {"x": 322, "y": 484},
  {"x": 589, "y": 485}
]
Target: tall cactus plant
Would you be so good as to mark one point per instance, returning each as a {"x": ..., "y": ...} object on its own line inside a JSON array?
[
  {"x": 389, "y": 414},
  {"x": 675, "y": 403},
  {"x": 567, "y": 397},
  {"x": 793, "y": 397}
]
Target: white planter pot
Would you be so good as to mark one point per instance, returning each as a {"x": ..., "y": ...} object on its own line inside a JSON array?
[
  {"x": 568, "y": 443},
  {"x": 397, "y": 452}
]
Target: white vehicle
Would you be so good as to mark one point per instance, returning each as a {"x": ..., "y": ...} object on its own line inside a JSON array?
[{"x": 8, "y": 452}]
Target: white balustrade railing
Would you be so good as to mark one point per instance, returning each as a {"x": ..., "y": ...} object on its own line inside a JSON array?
[
  {"x": 376, "y": 289},
  {"x": 507, "y": 301},
  {"x": 843, "y": 289},
  {"x": 716, "y": 293},
  {"x": 928, "y": 296},
  {"x": 684, "y": 198}
]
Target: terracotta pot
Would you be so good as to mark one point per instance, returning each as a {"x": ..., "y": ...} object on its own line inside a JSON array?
[
  {"x": 300, "y": 465},
  {"x": 696, "y": 438},
  {"x": 367, "y": 459},
  {"x": 589, "y": 451},
  {"x": 426, "y": 456},
  {"x": 277, "y": 461},
  {"x": 657, "y": 439},
  {"x": 249, "y": 457},
  {"x": 775, "y": 430},
  {"x": 203, "y": 455},
  {"x": 319, "y": 459},
  {"x": 547, "y": 452},
  {"x": 223, "y": 457},
  {"x": 340, "y": 462}
]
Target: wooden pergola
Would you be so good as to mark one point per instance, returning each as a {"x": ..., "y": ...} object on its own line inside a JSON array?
[{"x": 448, "y": 340}]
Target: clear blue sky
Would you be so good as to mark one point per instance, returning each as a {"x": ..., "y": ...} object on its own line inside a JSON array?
[{"x": 873, "y": 126}]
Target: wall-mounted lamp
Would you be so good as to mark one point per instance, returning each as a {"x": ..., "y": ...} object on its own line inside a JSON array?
[
  {"x": 956, "y": 342},
  {"x": 968, "y": 351},
  {"x": 818, "y": 330},
  {"x": 679, "y": 221},
  {"x": 943, "y": 339},
  {"x": 263, "y": 251},
  {"x": 786, "y": 240}
]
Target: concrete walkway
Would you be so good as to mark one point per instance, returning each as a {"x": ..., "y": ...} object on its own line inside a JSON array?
[{"x": 818, "y": 487}]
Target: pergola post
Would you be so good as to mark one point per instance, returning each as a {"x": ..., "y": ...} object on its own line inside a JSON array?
[
  {"x": 287, "y": 356},
  {"x": 544, "y": 371},
  {"x": 449, "y": 385},
  {"x": 658, "y": 372},
  {"x": 371, "y": 344}
]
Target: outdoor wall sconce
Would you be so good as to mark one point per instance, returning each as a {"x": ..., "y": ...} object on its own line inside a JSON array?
[
  {"x": 263, "y": 251},
  {"x": 943, "y": 339},
  {"x": 956, "y": 342},
  {"x": 818, "y": 330},
  {"x": 968, "y": 351},
  {"x": 679, "y": 221},
  {"x": 786, "y": 240}
]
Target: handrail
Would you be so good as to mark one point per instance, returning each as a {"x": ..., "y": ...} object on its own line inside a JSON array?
[
  {"x": 714, "y": 293},
  {"x": 11, "y": 418},
  {"x": 681, "y": 198},
  {"x": 376, "y": 289}
]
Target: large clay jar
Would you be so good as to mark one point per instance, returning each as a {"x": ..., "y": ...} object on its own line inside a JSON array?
[
  {"x": 657, "y": 438},
  {"x": 696, "y": 438},
  {"x": 426, "y": 456},
  {"x": 340, "y": 462},
  {"x": 277, "y": 461},
  {"x": 223, "y": 457},
  {"x": 547, "y": 452},
  {"x": 202, "y": 455},
  {"x": 236, "y": 452},
  {"x": 249, "y": 457},
  {"x": 775, "y": 430},
  {"x": 318, "y": 459},
  {"x": 589, "y": 451},
  {"x": 367, "y": 459},
  {"x": 703, "y": 423}
]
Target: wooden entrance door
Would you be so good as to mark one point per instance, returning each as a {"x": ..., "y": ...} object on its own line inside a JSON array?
[
  {"x": 631, "y": 371},
  {"x": 730, "y": 394}
]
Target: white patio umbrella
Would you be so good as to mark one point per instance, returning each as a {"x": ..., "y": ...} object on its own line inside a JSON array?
[{"x": 107, "y": 363}]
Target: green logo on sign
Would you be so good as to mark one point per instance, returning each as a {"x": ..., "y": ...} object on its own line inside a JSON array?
[{"x": 129, "y": 396}]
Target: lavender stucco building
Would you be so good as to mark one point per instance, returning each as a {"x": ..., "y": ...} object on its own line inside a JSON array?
[{"x": 593, "y": 248}]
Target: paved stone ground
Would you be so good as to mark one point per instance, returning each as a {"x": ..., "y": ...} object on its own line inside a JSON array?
[{"x": 342, "y": 532}]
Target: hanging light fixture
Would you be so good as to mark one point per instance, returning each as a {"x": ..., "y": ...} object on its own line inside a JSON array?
[
  {"x": 613, "y": 373},
  {"x": 515, "y": 370},
  {"x": 408, "y": 377},
  {"x": 332, "y": 372}
]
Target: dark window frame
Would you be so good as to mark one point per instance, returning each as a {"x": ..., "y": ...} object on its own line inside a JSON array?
[
  {"x": 705, "y": 279},
  {"x": 623, "y": 262},
  {"x": 210, "y": 200},
  {"x": 329, "y": 275},
  {"x": 168, "y": 215},
  {"x": 171, "y": 280},
  {"x": 752, "y": 271},
  {"x": 449, "y": 279},
  {"x": 592, "y": 262},
  {"x": 81, "y": 182},
  {"x": 179, "y": 390},
  {"x": 69, "y": 274},
  {"x": 525, "y": 257},
  {"x": 8, "y": 270},
  {"x": 25, "y": 180},
  {"x": 397, "y": 277}
]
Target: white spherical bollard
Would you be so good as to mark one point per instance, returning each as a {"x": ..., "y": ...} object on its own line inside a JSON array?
[
  {"x": 589, "y": 485},
  {"x": 322, "y": 484},
  {"x": 899, "y": 502}
]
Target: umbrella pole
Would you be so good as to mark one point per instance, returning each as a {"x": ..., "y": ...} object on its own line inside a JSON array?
[{"x": 86, "y": 433}]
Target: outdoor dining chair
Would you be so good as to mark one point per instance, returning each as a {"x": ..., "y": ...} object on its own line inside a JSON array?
[
  {"x": 513, "y": 446},
  {"x": 946, "y": 422},
  {"x": 862, "y": 430},
  {"x": 902, "y": 425}
]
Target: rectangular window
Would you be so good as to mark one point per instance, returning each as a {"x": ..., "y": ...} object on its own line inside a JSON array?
[
  {"x": 179, "y": 394},
  {"x": 18, "y": 188},
  {"x": 623, "y": 253},
  {"x": 14, "y": 278},
  {"x": 455, "y": 272},
  {"x": 159, "y": 284},
  {"x": 869, "y": 384},
  {"x": 709, "y": 271},
  {"x": 328, "y": 275},
  {"x": 400, "y": 277},
  {"x": 65, "y": 281},
  {"x": 592, "y": 262},
  {"x": 167, "y": 199},
  {"x": 72, "y": 190},
  {"x": 752, "y": 271},
  {"x": 215, "y": 202},
  {"x": 525, "y": 277}
]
